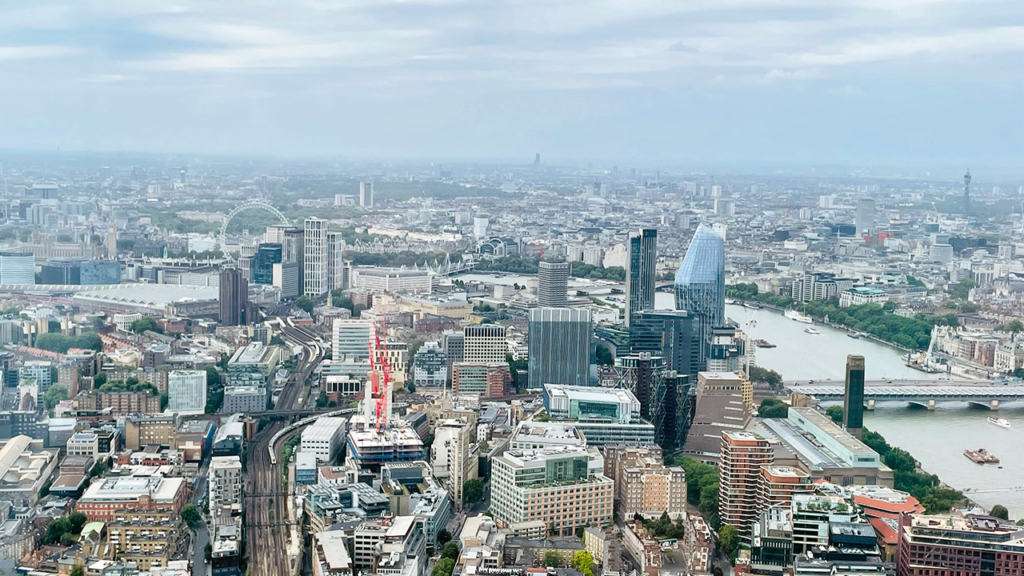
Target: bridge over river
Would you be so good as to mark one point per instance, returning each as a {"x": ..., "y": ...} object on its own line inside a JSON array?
[{"x": 923, "y": 393}]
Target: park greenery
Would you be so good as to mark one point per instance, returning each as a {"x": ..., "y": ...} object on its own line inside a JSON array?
[
  {"x": 131, "y": 384},
  {"x": 663, "y": 527},
  {"x": 921, "y": 485},
  {"x": 57, "y": 342},
  {"x": 879, "y": 321},
  {"x": 702, "y": 488},
  {"x": 64, "y": 529}
]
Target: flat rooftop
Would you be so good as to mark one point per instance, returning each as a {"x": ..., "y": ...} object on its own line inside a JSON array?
[{"x": 590, "y": 393}]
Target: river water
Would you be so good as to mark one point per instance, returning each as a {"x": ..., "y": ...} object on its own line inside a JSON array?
[{"x": 937, "y": 439}]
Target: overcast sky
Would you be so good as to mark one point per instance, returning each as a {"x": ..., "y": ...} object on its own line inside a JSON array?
[{"x": 923, "y": 82}]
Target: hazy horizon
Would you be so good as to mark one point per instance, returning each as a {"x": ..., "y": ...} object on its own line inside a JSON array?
[{"x": 908, "y": 85}]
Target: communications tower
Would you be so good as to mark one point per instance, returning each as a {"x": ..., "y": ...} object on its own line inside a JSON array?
[{"x": 967, "y": 192}]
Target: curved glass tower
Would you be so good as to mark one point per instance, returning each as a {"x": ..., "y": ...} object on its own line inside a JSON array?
[{"x": 700, "y": 288}]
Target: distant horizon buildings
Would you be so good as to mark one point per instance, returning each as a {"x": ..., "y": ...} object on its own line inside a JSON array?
[
  {"x": 865, "y": 216},
  {"x": 700, "y": 288},
  {"x": 641, "y": 258},
  {"x": 366, "y": 194}
]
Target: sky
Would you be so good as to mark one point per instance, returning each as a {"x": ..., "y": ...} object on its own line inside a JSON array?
[{"x": 923, "y": 83}]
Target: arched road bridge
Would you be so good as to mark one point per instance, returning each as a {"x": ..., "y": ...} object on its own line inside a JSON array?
[{"x": 924, "y": 393}]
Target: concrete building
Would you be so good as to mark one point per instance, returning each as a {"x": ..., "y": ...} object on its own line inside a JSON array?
[
  {"x": 394, "y": 546},
  {"x": 114, "y": 494},
  {"x": 324, "y": 437},
  {"x": 429, "y": 367},
  {"x": 25, "y": 468},
  {"x": 413, "y": 492},
  {"x": 98, "y": 444},
  {"x": 36, "y": 372},
  {"x": 562, "y": 487},
  {"x": 604, "y": 416},
  {"x": 17, "y": 268},
  {"x": 287, "y": 278},
  {"x": 351, "y": 339},
  {"x": 454, "y": 457},
  {"x": 645, "y": 486},
  {"x": 233, "y": 297},
  {"x": 224, "y": 486},
  {"x": 945, "y": 545},
  {"x": 722, "y": 403},
  {"x": 186, "y": 391},
  {"x": 488, "y": 379},
  {"x": 484, "y": 343},
  {"x": 392, "y": 280}
]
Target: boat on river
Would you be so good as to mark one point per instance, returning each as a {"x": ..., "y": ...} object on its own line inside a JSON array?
[
  {"x": 981, "y": 456},
  {"x": 814, "y": 331},
  {"x": 794, "y": 315},
  {"x": 1001, "y": 422}
]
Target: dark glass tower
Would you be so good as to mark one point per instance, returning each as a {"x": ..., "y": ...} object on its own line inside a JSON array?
[
  {"x": 234, "y": 298},
  {"x": 853, "y": 399},
  {"x": 262, "y": 271},
  {"x": 700, "y": 288},
  {"x": 642, "y": 256},
  {"x": 665, "y": 333},
  {"x": 560, "y": 341}
]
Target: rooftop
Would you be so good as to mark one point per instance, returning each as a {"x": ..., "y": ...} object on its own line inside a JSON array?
[{"x": 590, "y": 393}]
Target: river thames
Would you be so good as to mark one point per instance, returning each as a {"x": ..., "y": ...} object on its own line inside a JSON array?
[{"x": 937, "y": 439}]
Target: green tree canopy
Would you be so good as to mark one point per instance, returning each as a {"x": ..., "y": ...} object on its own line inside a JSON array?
[
  {"x": 1000, "y": 511},
  {"x": 472, "y": 491},
  {"x": 444, "y": 567},
  {"x": 450, "y": 550},
  {"x": 835, "y": 413},
  {"x": 728, "y": 539},
  {"x": 772, "y": 408},
  {"x": 145, "y": 324},
  {"x": 190, "y": 515}
]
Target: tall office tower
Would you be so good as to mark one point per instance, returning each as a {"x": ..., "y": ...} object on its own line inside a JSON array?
[
  {"x": 700, "y": 288},
  {"x": 658, "y": 390},
  {"x": 642, "y": 255},
  {"x": 234, "y": 298},
  {"x": 335, "y": 263},
  {"x": 560, "y": 340},
  {"x": 665, "y": 333},
  {"x": 553, "y": 285},
  {"x": 853, "y": 399},
  {"x": 17, "y": 268},
  {"x": 293, "y": 248},
  {"x": 366, "y": 194},
  {"x": 262, "y": 265},
  {"x": 314, "y": 256},
  {"x": 739, "y": 473},
  {"x": 865, "y": 216},
  {"x": 484, "y": 343}
]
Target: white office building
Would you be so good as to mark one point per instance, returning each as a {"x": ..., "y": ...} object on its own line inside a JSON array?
[
  {"x": 315, "y": 257},
  {"x": 186, "y": 391},
  {"x": 484, "y": 343},
  {"x": 350, "y": 340},
  {"x": 38, "y": 372},
  {"x": 324, "y": 437},
  {"x": 17, "y": 268},
  {"x": 224, "y": 484}
]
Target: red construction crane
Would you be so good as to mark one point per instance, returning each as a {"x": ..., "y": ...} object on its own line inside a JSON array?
[{"x": 380, "y": 377}]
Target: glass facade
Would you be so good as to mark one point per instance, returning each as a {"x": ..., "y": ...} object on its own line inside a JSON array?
[
  {"x": 262, "y": 271},
  {"x": 640, "y": 274},
  {"x": 560, "y": 343},
  {"x": 700, "y": 288}
]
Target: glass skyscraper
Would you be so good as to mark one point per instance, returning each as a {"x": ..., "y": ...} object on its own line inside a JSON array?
[
  {"x": 700, "y": 288},
  {"x": 642, "y": 255},
  {"x": 560, "y": 343}
]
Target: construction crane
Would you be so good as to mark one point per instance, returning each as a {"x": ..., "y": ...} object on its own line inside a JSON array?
[{"x": 380, "y": 379}]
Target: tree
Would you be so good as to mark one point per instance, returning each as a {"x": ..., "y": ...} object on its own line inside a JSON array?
[
  {"x": 450, "y": 550},
  {"x": 604, "y": 356},
  {"x": 472, "y": 491},
  {"x": 190, "y": 514},
  {"x": 78, "y": 520},
  {"x": 277, "y": 341},
  {"x": 728, "y": 539},
  {"x": 321, "y": 399},
  {"x": 444, "y": 567},
  {"x": 208, "y": 552},
  {"x": 584, "y": 562},
  {"x": 1000, "y": 511},
  {"x": 835, "y": 413},
  {"x": 770, "y": 377},
  {"x": 443, "y": 537},
  {"x": 305, "y": 303},
  {"x": 53, "y": 396},
  {"x": 552, "y": 559},
  {"x": 145, "y": 324},
  {"x": 78, "y": 570},
  {"x": 772, "y": 408},
  {"x": 410, "y": 387},
  {"x": 56, "y": 529}
]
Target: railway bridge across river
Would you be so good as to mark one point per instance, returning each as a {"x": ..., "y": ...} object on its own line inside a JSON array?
[{"x": 924, "y": 393}]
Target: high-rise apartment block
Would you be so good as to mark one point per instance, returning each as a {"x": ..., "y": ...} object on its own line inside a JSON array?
[
  {"x": 641, "y": 258},
  {"x": 645, "y": 486},
  {"x": 947, "y": 545},
  {"x": 234, "y": 297},
  {"x": 553, "y": 284},
  {"x": 315, "y": 257},
  {"x": 559, "y": 346},
  {"x": 743, "y": 455},
  {"x": 454, "y": 456},
  {"x": 335, "y": 262},
  {"x": 224, "y": 486}
]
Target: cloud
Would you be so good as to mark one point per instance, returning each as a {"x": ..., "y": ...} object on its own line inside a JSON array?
[{"x": 33, "y": 52}]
